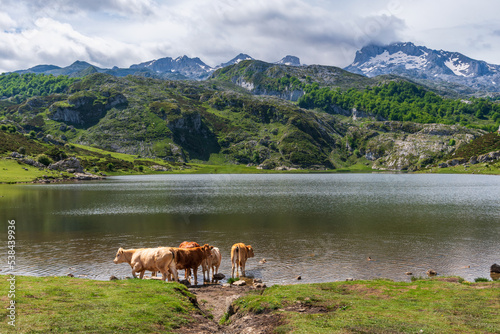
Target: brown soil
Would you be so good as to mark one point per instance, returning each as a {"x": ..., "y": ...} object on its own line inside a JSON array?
[{"x": 213, "y": 301}]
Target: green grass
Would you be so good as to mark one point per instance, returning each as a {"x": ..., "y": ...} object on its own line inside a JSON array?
[
  {"x": 68, "y": 305},
  {"x": 11, "y": 171},
  {"x": 381, "y": 306}
]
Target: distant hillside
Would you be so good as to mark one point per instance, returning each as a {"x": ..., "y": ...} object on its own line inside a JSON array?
[{"x": 216, "y": 121}]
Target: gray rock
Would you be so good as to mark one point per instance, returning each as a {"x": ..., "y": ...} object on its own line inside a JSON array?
[
  {"x": 16, "y": 155},
  {"x": 72, "y": 165},
  {"x": 219, "y": 276},
  {"x": 495, "y": 268}
]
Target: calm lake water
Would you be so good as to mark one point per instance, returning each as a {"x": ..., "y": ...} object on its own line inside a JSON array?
[{"x": 320, "y": 226}]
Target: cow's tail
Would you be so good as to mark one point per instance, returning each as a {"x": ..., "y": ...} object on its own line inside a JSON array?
[
  {"x": 237, "y": 256},
  {"x": 175, "y": 254}
]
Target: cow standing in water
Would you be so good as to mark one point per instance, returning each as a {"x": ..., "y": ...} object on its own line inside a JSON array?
[
  {"x": 160, "y": 259},
  {"x": 192, "y": 258},
  {"x": 239, "y": 255}
]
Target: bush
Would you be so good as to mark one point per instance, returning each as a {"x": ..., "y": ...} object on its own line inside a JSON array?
[
  {"x": 44, "y": 159},
  {"x": 481, "y": 279},
  {"x": 21, "y": 150},
  {"x": 110, "y": 167}
]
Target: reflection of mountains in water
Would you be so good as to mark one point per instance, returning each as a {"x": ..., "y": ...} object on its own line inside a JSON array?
[{"x": 320, "y": 226}]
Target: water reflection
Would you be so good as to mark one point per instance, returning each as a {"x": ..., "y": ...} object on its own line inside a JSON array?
[{"x": 322, "y": 227}]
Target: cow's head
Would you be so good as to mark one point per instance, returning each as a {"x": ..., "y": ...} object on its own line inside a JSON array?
[
  {"x": 207, "y": 250},
  {"x": 250, "y": 251},
  {"x": 119, "y": 258}
]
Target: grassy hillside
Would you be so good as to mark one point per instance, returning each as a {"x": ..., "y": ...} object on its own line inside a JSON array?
[{"x": 219, "y": 123}]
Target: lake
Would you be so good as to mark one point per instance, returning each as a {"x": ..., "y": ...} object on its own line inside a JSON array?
[{"x": 323, "y": 227}]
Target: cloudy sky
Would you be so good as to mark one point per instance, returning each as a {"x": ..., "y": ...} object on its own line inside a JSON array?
[{"x": 124, "y": 32}]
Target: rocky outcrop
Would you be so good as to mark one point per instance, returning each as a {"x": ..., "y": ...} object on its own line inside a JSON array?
[
  {"x": 85, "y": 108},
  {"x": 488, "y": 157},
  {"x": 411, "y": 146},
  {"x": 70, "y": 165}
]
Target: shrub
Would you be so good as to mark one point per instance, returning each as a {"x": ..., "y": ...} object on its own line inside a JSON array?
[
  {"x": 110, "y": 167},
  {"x": 481, "y": 279},
  {"x": 21, "y": 150},
  {"x": 44, "y": 159}
]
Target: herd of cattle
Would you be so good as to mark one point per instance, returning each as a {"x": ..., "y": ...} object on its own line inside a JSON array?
[{"x": 188, "y": 256}]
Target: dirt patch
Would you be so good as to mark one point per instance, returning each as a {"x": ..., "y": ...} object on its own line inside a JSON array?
[
  {"x": 213, "y": 301},
  {"x": 448, "y": 279}
]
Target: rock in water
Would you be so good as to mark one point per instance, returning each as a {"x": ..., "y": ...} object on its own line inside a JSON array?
[
  {"x": 495, "y": 268},
  {"x": 431, "y": 273}
]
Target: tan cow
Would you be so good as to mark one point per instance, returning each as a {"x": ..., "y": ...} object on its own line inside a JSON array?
[
  {"x": 191, "y": 258},
  {"x": 160, "y": 259},
  {"x": 239, "y": 255},
  {"x": 213, "y": 262}
]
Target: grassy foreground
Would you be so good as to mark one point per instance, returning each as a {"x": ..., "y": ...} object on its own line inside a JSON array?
[
  {"x": 69, "y": 305},
  {"x": 66, "y": 305},
  {"x": 381, "y": 306}
]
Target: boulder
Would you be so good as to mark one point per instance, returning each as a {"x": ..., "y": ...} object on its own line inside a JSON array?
[
  {"x": 16, "y": 155},
  {"x": 71, "y": 165},
  {"x": 495, "y": 268}
]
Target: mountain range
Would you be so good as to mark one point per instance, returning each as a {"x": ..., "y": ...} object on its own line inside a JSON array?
[
  {"x": 180, "y": 68},
  {"x": 420, "y": 62},
  {"x": 441, "y": 70}
]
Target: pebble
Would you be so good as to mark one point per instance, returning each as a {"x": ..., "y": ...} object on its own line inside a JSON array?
[{"x": 299, "y": 277}]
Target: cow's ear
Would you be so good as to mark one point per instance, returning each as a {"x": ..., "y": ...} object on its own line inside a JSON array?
[
  {"x": 249, "y": 247},
  {"x": 211, "y": 247}
]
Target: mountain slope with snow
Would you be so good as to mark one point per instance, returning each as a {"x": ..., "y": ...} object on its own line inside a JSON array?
[{"x": 419, "y": 62}]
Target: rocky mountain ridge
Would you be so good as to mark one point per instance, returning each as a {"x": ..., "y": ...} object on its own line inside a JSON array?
[
  {"x": 180, "y": 68},
  {"x": 420, "y": 62}
]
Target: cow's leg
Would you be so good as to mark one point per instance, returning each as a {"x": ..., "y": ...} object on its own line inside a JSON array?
[
  {"x": 141, "y": 276},
  {"x": 242, "y": 269},
  {"x": 232, "y": 269},
  {"x": 195, "y": 272},
  {"x": 173, "y": 271}
]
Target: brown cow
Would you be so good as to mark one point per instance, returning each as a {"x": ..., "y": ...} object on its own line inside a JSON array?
[
  {"x": 191, "y": 258},
  {"x": 160, "y": 259},
  {"x": 190, "y": 244},
  {"x": 239, "y": 255}
]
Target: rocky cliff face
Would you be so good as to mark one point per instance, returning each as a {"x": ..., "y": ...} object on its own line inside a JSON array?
[
  {"x": 85, "y": 108},
  {"x": 409, "y": 146}
]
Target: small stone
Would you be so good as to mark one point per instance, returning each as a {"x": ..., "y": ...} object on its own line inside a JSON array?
[
  {"x": 431, "y": 272},
  {"x": 257, "y": 280},
  {"x": 113, "y": 278},
  {"x": 349, "y": 279},
  {"x": 299, "y": 277},
  {"x": 70, "y": 275},
  {"x": 240, "y": 283},
  {"x": 263, "y": 261},
  {"x": 409, "y": 273},
  {"x": 219, "y": 276},
  {"x": 495, "y": 268},
  {"x": 226, "y": 285},
  {"x": 260, "y": 286}
]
